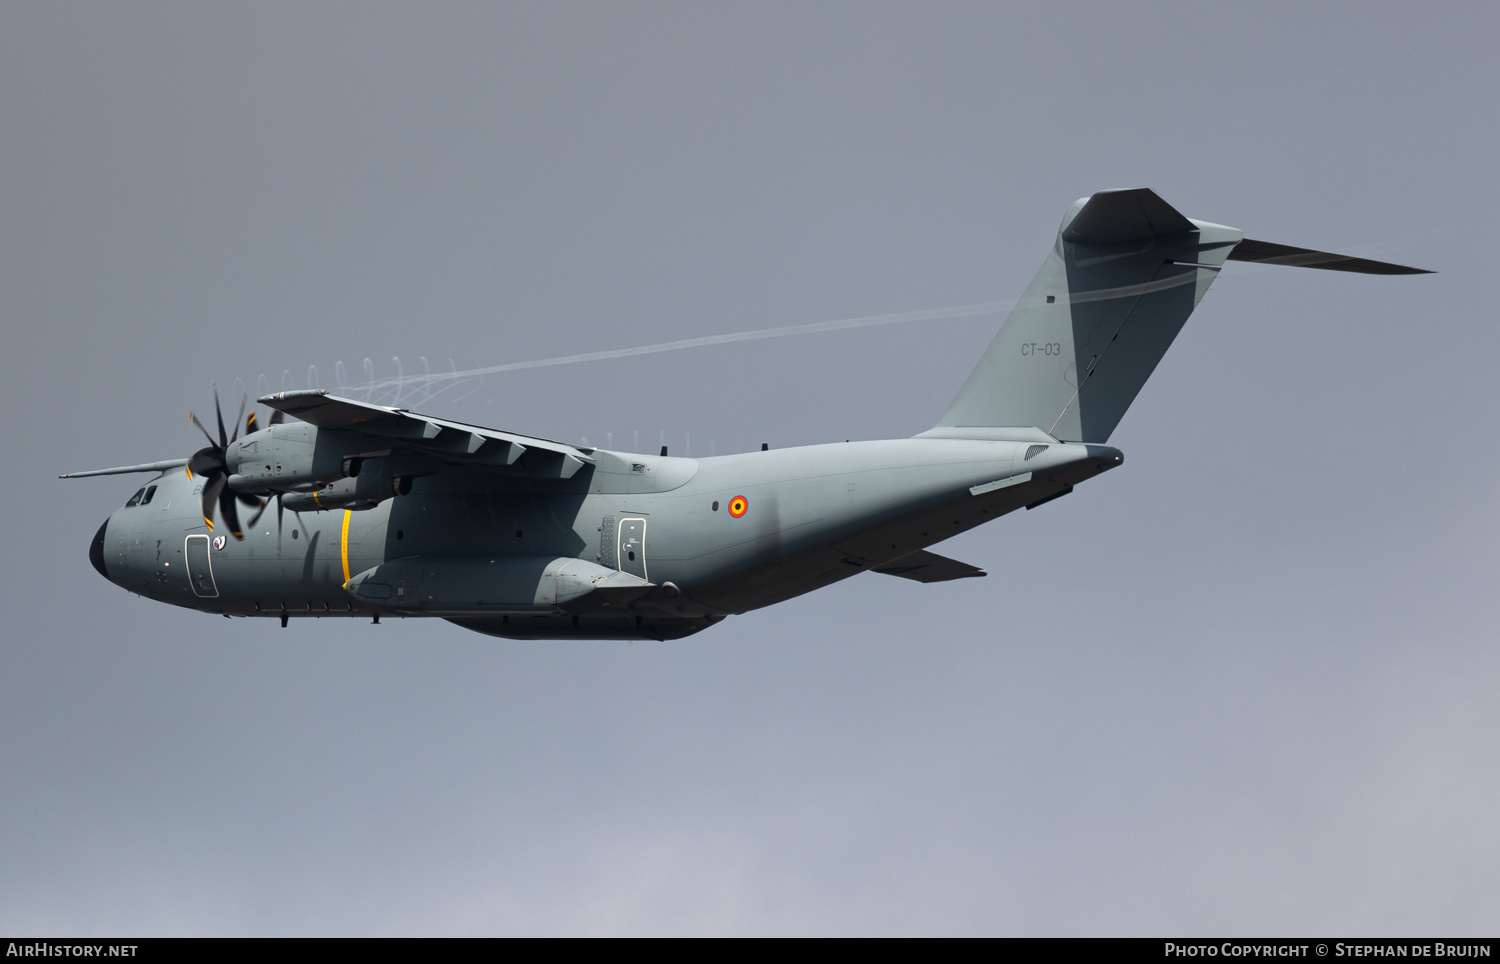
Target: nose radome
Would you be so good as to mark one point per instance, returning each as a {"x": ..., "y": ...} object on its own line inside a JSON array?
[{"x": 96, "y": 550}]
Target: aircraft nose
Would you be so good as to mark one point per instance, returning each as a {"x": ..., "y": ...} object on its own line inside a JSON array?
[{"x": 96, "y": 550}]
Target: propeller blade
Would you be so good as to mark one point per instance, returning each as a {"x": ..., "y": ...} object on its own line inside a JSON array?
[
  {"x": 243, "y": 398},
  {"x": 250, "y": 422},
  {"x": 219, "y": 413},
  {"x": 229, "y": 512},
  {"x": 194, "y": 419},
  {"x": 277, "y": 416},
  {"x": 259, "y": 512},
  {"x": 210, "y": 496}
]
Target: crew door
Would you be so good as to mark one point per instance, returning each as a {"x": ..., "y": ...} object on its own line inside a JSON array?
[{"x": 200, "y": 570}]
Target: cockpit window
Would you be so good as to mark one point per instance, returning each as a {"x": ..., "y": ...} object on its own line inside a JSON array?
[
  {"x": 135, "y": 499},
  {"x": 150, "y": 491}
]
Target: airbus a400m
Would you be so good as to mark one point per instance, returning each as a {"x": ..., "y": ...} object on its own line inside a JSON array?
[{"x": 365, "y": 510}]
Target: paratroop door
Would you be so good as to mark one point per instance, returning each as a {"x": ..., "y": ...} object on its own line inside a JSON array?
[{"x": 632, "y": 547}]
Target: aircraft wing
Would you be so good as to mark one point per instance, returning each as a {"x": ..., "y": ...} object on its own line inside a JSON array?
[
  {"x": 165, "y": 466},
  {"x": 452, "y": 441},
  {"x": 924, "y": 566}
]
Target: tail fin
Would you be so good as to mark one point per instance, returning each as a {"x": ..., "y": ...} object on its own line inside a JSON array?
[{"x": 1124, "y": 275}]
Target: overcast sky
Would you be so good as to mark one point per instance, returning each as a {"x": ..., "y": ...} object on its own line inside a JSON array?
[{"x": 1244, "y": 685}]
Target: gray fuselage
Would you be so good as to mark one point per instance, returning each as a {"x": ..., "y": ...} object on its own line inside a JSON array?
[{"x": 631, "y": 547}]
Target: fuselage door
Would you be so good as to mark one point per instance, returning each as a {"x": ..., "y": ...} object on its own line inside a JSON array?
[
  {"x": 200, "y": 570},
  {"x": 632, "y": 547}
]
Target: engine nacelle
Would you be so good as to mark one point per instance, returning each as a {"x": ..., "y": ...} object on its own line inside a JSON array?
[
  {"x": 377, "y": 479},
  {"x": 295, "y": 455}
]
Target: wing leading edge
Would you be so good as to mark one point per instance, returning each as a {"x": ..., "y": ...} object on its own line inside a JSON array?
[{"x": 453, "y": 441}]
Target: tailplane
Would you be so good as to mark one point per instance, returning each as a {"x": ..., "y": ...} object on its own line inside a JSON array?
[{"x": 1125, "y": 273}]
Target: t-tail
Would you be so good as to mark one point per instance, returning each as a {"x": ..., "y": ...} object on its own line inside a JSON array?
[{"x": 1120, "y": 282}]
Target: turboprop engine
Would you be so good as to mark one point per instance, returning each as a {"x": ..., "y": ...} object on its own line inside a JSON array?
[
  {"x": 311, "y": 468},
  {"x": 286, "y": 457}
]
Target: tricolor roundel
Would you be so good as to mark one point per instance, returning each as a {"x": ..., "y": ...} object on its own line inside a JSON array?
[{"x": 738, "y": 505}]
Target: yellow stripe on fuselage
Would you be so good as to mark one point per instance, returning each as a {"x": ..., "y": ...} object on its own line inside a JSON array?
[{"x": 344, "y": 543}]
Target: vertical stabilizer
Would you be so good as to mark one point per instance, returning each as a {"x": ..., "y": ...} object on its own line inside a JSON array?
[{"x": 1124, "y": 275}]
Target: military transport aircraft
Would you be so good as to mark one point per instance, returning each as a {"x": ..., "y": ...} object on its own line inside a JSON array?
[{"x": 381, "y": 511}]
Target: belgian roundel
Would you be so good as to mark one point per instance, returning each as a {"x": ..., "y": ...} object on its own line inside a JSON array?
[{"x": 738, "y": 505}]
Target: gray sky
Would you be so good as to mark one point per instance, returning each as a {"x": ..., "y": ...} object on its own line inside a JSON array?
[{"x": 1244, "y": 685}]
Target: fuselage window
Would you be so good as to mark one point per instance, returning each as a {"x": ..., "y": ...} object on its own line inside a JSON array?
[
  {"x": 150, "y": 493},
  {"x": 135, "y": 499}
]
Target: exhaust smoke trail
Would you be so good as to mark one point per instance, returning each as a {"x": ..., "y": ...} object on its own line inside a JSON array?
[
  {"x": 762, "y": 334},
  {"x": 395, "y": 386},
  {"x": 758, "y": 334},
  {"x": 434, "y": 384}
]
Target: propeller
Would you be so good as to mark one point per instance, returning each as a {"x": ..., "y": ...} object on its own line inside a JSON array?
[{"x": 211, "y": 463}]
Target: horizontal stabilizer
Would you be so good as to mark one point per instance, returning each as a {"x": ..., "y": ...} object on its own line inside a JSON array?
[
  {"x": 1264, "y": 252},
  {"x": 924, "y": 566}
]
